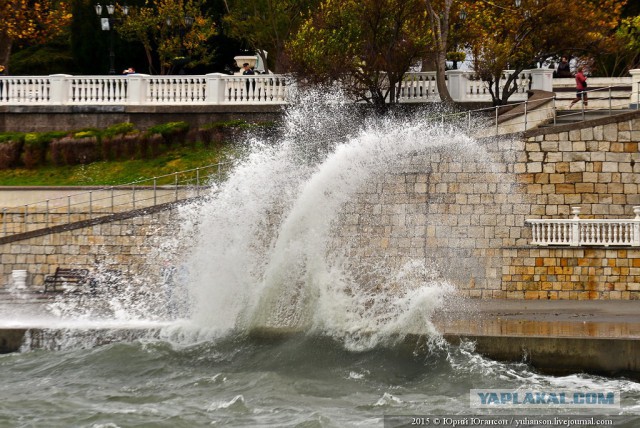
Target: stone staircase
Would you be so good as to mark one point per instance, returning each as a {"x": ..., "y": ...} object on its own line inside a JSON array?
[{"x": 576, "y": 115}]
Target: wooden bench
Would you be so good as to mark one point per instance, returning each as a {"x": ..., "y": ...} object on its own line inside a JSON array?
[{"x": 66, "y": 277}]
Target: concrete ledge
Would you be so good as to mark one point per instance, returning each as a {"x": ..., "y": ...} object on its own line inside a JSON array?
[
  {"x": 63, "y": 118},
  {"x": 561, "y": 355},
  {"x": 11, "y": 339}
]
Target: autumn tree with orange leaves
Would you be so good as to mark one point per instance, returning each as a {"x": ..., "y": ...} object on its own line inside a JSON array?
[
  {"x": 30, "y": 21},
  {"x": 503, "y": 36},
  {"x": 161, "y": 26}
]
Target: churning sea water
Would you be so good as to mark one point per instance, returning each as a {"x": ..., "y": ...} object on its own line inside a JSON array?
[
  {"x": 237, "y": 381},
  {"x": 270, "y": 323}
]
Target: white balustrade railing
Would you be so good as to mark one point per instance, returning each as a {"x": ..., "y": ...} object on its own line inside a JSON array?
[
  {"x": 97, "y": 90},
  {"x": 175, "y": 89},
  {"x": 215, "y": 88},
  {"x": 418, "y": 87},
  {"x": 577, "y": 232},
  {"x": 260, "y": 89}
]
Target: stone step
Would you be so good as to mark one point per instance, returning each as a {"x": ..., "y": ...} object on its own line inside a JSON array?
[{"x": 564, "y": 117}]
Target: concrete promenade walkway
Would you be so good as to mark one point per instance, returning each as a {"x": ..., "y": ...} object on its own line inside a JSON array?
[{"x": 554, "y": 336}]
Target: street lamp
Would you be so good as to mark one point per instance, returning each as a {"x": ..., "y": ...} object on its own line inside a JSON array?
[
  {"x": 183, "y": 59},
  {"x": 107, "y": 24}
]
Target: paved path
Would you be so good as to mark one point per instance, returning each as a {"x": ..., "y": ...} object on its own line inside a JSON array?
[{"x": 556, "y": 318}]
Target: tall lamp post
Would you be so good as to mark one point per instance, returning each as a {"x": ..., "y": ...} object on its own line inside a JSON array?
[
  {"x": 107, "y": 24},
  {"x": 183, "y": 59}
]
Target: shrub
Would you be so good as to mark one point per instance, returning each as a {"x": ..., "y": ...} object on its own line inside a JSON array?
[
  {"x": 172, "y": 132},
  {"x": 119, "y": 129},
  {"x": 73, "y": 151},
  {"x": 145, "y": 149},
  {"x": 34, "y": 152},
  {"x": 154, "y": 141},
  {"x": 10, "y": 151},
  {"x": 131, "y": 143}
]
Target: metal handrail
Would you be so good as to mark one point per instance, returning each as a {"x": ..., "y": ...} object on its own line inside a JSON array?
[
  {"x": 102, "y": 201},
  {"x": 495, "y": 111}
]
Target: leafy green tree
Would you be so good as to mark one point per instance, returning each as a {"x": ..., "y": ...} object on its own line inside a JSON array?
[
  {"x": 366, "y": 46},
  {"x": 267, "y": 25},
  {"x": 25, "y": 21},
  {"x": 173, "y": 31},
  {"x": 623, "y": 49}
]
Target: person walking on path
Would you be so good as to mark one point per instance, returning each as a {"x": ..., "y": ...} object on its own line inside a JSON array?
[{"x": 581, "y": 87}]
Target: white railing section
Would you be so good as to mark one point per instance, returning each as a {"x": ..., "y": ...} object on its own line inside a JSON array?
[
  {"x": 25, "y": 90},
  {"x": 109, "y": 200},
  {"x": 418, "y": 87},
  {"x": 478, "y": 90},
  {"x": 175, "y": 90},
  {"x": 216, "y": 88},
  {"x": 577, "y": 232},
  {"x": 258, "y": 89},
  {"x": 97, "y": 90}
]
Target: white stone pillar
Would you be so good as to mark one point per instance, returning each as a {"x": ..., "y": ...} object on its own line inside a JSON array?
[
  {"x": 542, "y": 79},
  {"x": 137, "y": 88},
  {"x": 457, "y": 84},
  {"x": 214, "y": 92},
  {"x": 634, "y": 98},
  {"x": 59, "y": 89}
]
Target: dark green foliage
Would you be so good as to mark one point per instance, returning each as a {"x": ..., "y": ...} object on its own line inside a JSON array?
[
  {"x": 173, "y": 132},
  {"x": 74, "y": 151},
  {"x": 10, "y": 150},
  {"x": 119, "y": 128},
  {"x": 117, "y": 142},
  {"x": 50, "y": 58},
  {"x": 36, "y": 144}
]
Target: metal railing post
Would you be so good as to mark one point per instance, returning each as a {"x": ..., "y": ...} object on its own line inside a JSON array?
[
  {"x": 582, "y": 99},
  {"x": 497, "y": 130},
  {"x": 555, "y": 110},
  {"x": 610, "y": 112},
  {"x": 197, "y": 181},
  {"x": 525, "y": 115},
  {"x": 175, "y": 174}
]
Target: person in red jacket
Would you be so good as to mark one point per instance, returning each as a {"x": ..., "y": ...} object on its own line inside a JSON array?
[{"x": 581, "y": 87}]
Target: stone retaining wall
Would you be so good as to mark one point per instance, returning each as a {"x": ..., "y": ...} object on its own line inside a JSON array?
[
  {"x": 464, "y": 212},
  {"x": 462, "y": 209},
  {"x": 131, "y": 246}
]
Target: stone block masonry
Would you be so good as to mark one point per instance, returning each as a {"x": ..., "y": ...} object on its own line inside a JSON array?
[
  {"x": 131, "y": 246},
  {"x": 460, "y": 210},
  {"x": 463, "y": 210}
]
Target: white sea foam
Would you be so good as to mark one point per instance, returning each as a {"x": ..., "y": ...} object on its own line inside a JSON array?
[{"x": 263, "y": 255}]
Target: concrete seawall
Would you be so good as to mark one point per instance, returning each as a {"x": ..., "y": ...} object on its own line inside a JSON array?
[{"x": 554, "y": 337}]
